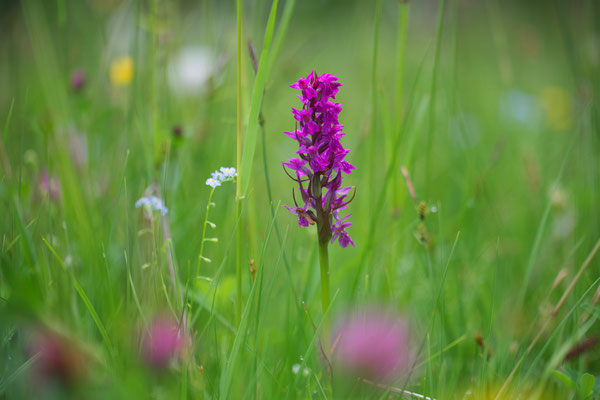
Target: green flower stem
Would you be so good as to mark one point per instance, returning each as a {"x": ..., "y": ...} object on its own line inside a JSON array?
[
  {"x": 201, "y": 255},
  {"x": 324, "y": 235},
  {"x": 324, "y": 261}
]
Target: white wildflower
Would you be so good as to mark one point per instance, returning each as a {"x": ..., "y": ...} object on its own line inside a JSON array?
[
  {"x": 144, "y": 201},
  {"x": 223, "y": 174},
  {"x": 153, "y": 203},
  {"x": 218, "y": 175},
  {"x": 229, "y": 172},
  {"x": 213, "y": 183},
  {"x": 193, "y": 70}
]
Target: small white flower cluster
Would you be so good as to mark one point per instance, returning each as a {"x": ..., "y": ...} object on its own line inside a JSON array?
[
  {"x": 223, "y": 174},
  {"x": 152, "y": 202}
]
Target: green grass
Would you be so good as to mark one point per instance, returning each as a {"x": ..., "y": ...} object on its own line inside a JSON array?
[{"x": 488, "y": 110}]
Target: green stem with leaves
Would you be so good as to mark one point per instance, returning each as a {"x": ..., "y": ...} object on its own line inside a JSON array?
[{"x": 206, "y": 222}]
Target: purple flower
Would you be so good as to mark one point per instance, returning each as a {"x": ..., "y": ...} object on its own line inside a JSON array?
[
  {"x": 177, "y": 131},
  {"x": 78, "y": 79},
  {"x": 321, "y": 159},
  {"x": 297, "y": 165},
  {"x": 162, "y": 343},
  {"x": 304, "y": 219},
  {"x": 372, "y": 344},
  {"x": 339, "y": 231}
]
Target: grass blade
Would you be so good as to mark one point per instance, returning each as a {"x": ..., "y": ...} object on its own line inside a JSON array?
[
  {"x": 84, "y": 298},
  {"x": 256, "y": 104}
]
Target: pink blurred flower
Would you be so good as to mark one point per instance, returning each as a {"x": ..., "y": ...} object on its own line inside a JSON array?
[
  {"x": 77, "y": 79},
  {"x": 163, "y": 342},
  {"x": 58, "y": 359},
  {"x": 372, "y": 344},
  {"x": 50, "y": 185}
]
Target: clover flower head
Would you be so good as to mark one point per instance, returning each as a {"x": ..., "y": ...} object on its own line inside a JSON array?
[
  {"x": 320, "y": 160},
  {"x": 372, "y": 344},
  {"x": 58, "y": 359},
  {"x": 162, "y": 342},
  {"x": 77, "y": 79},
  {"x": 152, "y": 202},
  {"x": 223, "y": 174}
]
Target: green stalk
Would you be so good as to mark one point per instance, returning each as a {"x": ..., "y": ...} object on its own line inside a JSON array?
[
  {"x": 324, "y": 266},
  {"x": 434, "y": 73},
  {"x": 395, "y": 192},
  {"x": 400, "y": 62},
  {"x": 153, "y": 80},
  {"x": 246, "y": 158},
  {"x": 324, "y": 263},
  {"x": 238, "y": 188},
  {"x": 373, "y": 138},
  {"x": 201, "y": 256},
  {"x": 324, "y": 236},
  {"x": 238, "y": 264}
]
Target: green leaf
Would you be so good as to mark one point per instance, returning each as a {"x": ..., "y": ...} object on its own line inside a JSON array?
[
  {"x": 586, "y": 385},
  {"x": 281, "y": 32},
  {"x": 564, "y": 378}
]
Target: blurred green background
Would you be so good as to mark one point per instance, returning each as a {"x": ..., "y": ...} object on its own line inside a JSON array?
[{"x": 491, "y": 108}]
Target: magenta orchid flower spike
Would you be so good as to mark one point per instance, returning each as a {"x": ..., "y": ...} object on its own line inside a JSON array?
[
  {"x": 320, "y": 163},
  {"x": 320, "y": 167}
]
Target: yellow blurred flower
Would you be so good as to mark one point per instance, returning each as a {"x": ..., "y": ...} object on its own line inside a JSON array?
[
  {"x": 558, "y": 108},
  {"x": 121, "y": 71},
  {"x": 526, "y": 391}
]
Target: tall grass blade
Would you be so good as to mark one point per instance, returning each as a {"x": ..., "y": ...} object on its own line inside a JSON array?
[{"x": 256, "y": 103}]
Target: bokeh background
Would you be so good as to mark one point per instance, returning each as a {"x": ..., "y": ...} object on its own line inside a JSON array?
[{"x": 487, "y": 110}]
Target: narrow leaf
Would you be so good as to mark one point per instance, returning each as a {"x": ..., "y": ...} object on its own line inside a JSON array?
[{"x": 256, "y": 103}]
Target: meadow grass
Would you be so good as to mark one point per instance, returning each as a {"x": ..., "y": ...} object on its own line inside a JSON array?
[{"x": 473, "y": 127}]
